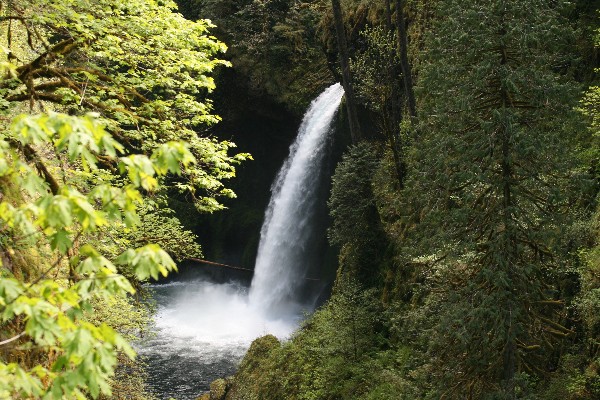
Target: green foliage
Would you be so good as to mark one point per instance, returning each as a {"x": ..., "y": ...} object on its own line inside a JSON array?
[
  {"x": 139, "y": 64},
  {"x": 355, "y": 226},
  {"x": 125, "y": 315},
  {"x": 81, "y": 194},
  {"x": 275, "y": 42},
  {"x": 158, "y": 225},
  {"x": 579, "y": 373},
  {"x": 332, "y": 357},
  {"x": 588, "y": 304},
  {"x": 589, "y": 106},
  {"x": 492, "y": 200},
  {"x": 574, "y": 380},
  {"x": 373, "y": 67},
  {"x": 81, "y": 356},
  {"x": 493, "y": 293},
  {"x": 274, "y": 45}
]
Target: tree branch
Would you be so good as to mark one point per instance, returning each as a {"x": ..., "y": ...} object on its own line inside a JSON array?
[{"x": 12, "y": 339}]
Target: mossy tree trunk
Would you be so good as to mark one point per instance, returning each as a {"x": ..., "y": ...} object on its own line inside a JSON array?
[
  {"x": 404, "y": 63},
  {"x": 388, "y": 14},
  {"x": 344, "y": 57}
]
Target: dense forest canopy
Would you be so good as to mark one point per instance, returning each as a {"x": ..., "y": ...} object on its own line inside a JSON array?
[{"x": 465, "y": 212}]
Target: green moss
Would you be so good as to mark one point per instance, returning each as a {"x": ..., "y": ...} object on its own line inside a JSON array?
[
  {"x": 218, "y": 389},
  {"x": 252, "y": 376}
]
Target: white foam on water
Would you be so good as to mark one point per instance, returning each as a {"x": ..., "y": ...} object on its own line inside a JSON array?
[{"x": 219, "y": 314}]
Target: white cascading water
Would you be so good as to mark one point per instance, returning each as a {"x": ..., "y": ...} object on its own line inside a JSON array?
[
  {"x": 280, "y": 266},
  {"x": 203, "y": 328}
]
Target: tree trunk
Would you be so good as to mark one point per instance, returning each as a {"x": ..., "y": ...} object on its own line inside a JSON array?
[
  {"x": 404, "y": 64},
  {"x": 510, "y": 241},
  {"x": 345, "y": 65},
  {"x": 396, "y": 147},
  {"x": 388, "y": 14}
]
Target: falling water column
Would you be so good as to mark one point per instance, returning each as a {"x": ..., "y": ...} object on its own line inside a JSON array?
[{"x": 280, "y": 264}]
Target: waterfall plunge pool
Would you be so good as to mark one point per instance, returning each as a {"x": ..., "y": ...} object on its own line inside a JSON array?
[{"x": 202, "y": 330}]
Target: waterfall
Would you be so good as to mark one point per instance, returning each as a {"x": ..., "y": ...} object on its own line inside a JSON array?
[
  {"x": 285, "y": 236},
  {"x": 204, "y": 328}
]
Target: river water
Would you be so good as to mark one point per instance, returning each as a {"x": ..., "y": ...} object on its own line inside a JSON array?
[{"x": 202, "y": 330}]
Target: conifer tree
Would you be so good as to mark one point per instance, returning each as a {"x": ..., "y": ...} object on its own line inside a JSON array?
[{"x": 490, "y": 161}]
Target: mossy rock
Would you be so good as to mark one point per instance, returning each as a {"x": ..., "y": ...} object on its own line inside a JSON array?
[
  {"x": 218, "y": 389},
  {"x": 259, "y": 350},
  {"x": 205, "y": 396},
  {"x": 247, "y": 382}
]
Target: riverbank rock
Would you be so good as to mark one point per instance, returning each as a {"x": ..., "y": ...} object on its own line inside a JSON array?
[
  {"x": 247, "y": 383},
  {"x": 218, "y": 389}
]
